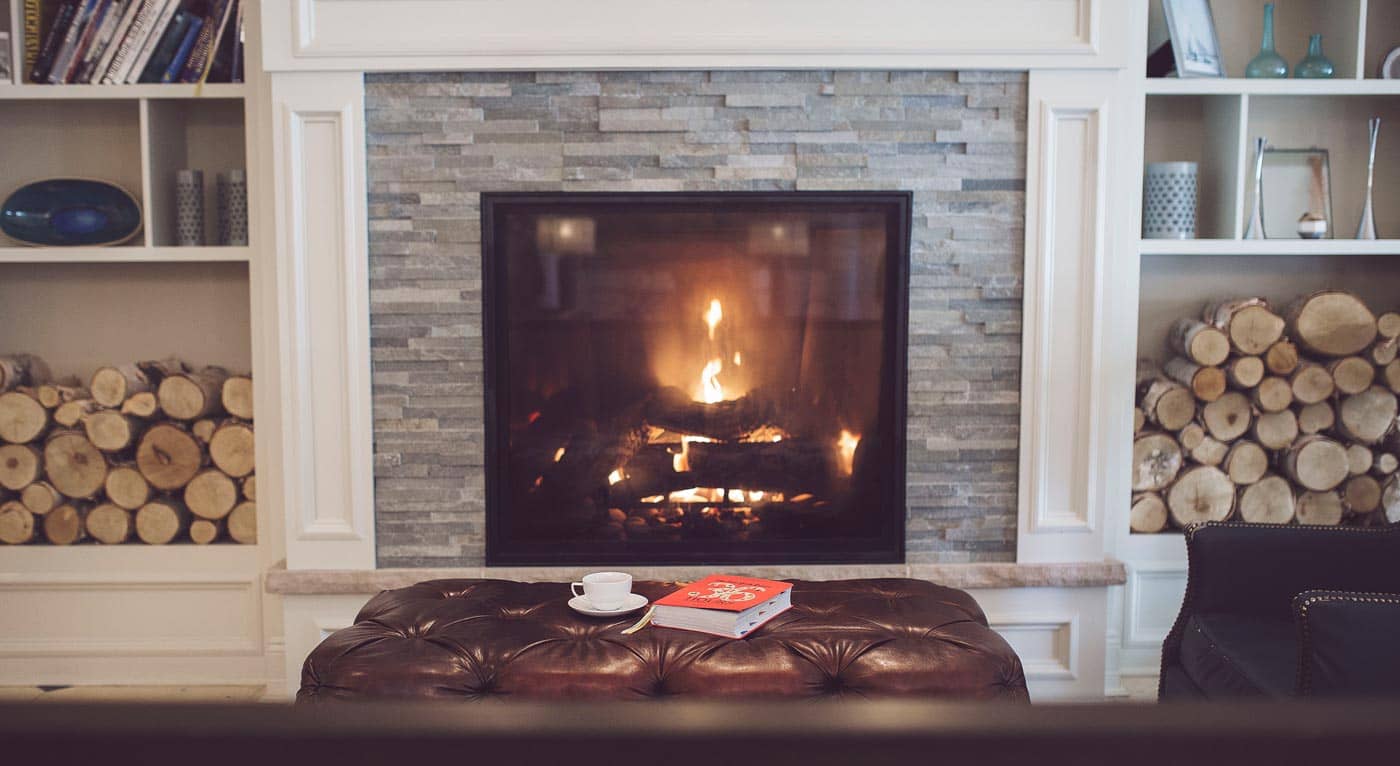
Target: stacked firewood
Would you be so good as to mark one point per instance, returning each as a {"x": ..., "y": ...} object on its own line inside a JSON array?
[
  {"x": 1270, "y": 417},
  {"x": 153, "y": 451}
]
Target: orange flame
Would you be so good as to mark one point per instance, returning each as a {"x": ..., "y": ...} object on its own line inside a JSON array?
[
  {"x": 713, "y": 315},
  {"x": 615, "y": 476},
  {"x": 846, "y": 447}
]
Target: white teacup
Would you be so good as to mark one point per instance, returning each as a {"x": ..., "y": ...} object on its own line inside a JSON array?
[{"x": 604, "y": 590}]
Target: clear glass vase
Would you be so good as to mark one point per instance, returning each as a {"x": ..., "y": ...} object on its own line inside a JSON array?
[
  {"x": 1314, "y": 65},
  {"x": 1268, "y": 63}
]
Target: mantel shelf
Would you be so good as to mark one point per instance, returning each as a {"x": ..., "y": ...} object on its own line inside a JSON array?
[
  {"x": 1236, "y": 86},
  {"x": 1269, "y": 247},
  {"x": 118, "y": 92},
  {"x": 123, "y": 254}
]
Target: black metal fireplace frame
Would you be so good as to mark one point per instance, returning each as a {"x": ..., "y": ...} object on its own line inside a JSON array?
[{"x": 887, "y": 547}]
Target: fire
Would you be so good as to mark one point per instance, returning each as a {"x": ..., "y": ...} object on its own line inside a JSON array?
[
  {"x": 711, "y": 390},
  {"x": 846, "y": 447},
  {"x": 680, "y": 463},
  {"x": 713, "y": 315},
  {"x": 614, "y": 477},
  {"x": 559, "y": 454},
  {"x": 738, "y": 360}
]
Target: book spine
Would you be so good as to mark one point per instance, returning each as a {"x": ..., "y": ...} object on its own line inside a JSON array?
[
  {"x": 217, "y": 41},
  {"x": 33, "y": 22},
  {"x": 140, "y": 28},
  {"x": 100, "y": 41},
  {"x": 85, "y": 41},
  {"x": 59, "y": 69},
  {"x": 40, "y": 71},
  {"x": 182, "y": 53},
  {"x": 117, "y": 41},
  {"x": 236, "y": 63},
  {"x": 148, "y": 47},
  {"x": 165, "y": 49},
  {"x": 199, "y": 54}
]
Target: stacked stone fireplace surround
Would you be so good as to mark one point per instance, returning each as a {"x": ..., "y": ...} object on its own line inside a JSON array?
[{"x": 438, "y": 140}]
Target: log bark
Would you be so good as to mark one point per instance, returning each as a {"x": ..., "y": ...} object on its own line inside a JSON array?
[
  {"x": 108, "y": 524},
  {"x": 73, "y": 465},
  {"x": 1250, "y": 324},
  {"x": 1157, "y": 460},
  {"x": 1316, "y": 463},
  {"x": 142, "y": 405},
  {"x": 231, "y": 448},
  {"x": 1368, "y": 417},
  {"x": 1312, "y": 383},
  {"x": 1390, "y": 499},
  {"x": 1276, "y": 430},
  {"x": 1267, "y": 501},
  {"x": 1202, "y": 493},
  {"x": 237, "y": 396},
  {"x": 71, "y": 414},
  {"x": 110, "y": 386},
  {"x": 1273, "y": 394},
  {"x": 1360, "y": 458},
  {"x": 1229, "y": 417},
  {"x": 204, "y": 531},
  {"x": 1246, "y": 462},
  {"x": 1139, "y": 420},
  {"x": 22, "y": 418},
  {"x": 161, "y": 521},
  {"x": 191, "y": 395},
  {"x": 788, "y": 465},
  {"x": 211, "y": 494},
  {"x": 168, "y": 456},
  {"x": 1169, "y": 404},
  {"x": 127, "y": 488},
  {"x": 1281, "y": 358},
  {"x": 674, "y": 410},
  {"x": 1245, "y": 372},
  {"x": 20, "y": 466},
  {"x": 242, "y": 523},
  {"x": 1320, "y": 508},
  {"x": 1361, "y": 494},
  {"x": 64, "y": 524},
  {"x": 1206, "y": 383},
  {"x": 1352, "y": 374},
  {"x": 17, "y": 524},
  {"x": 41, "y": 497},
  {"x": 1316, "y": 418},
  {"x": 1331, "y": 323},
  {"x": 110, "y": 431},
  {"x": 1149, "y": 514},
  {"x": 22, "y": 370},
  {"x": 1199, "y": 342}
]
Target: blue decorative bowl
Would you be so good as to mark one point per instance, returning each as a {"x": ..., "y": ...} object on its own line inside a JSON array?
[{"x": 68, "y": 212}]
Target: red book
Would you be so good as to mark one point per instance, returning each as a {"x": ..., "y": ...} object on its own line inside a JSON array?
[{"x": 724, "y": 605}]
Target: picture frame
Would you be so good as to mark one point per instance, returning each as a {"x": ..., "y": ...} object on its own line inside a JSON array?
[
  {"x": 1296, "y": 181},
  {"x": 1195, "y": 44}
]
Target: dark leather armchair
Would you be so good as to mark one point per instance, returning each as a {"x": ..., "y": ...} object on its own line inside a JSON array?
[{"x": 1279, "y": 611}]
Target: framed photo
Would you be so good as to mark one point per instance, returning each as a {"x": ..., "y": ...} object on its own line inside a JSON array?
[
  {"x": 1194, "y": 42},
  {"x": 1297, "y": 183}
]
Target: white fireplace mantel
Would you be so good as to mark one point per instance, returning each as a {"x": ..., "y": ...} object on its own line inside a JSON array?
[{"x": 1081, "y": 98}]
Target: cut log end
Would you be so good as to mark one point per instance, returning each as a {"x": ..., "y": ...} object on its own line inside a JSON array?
[
  {"x": 1203, "y": 493},
  {"x": 1149, "y": 514},
  {"x": 242, "y": 523}
]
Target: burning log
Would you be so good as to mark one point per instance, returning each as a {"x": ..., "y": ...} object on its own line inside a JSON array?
[
  {"x": 787, "y": 466},
  {"x": 674, "y": 410}
]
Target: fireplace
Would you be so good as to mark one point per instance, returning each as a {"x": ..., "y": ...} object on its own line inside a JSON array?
[{"x": 678, "y": 377}]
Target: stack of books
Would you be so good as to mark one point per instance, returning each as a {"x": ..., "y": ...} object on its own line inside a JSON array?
[
  {"x": 133, "y": 41},
  {"x": 723, "y": 605}
]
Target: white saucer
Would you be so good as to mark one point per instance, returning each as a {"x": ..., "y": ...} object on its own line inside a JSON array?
[{"x": 582, "y": 605}]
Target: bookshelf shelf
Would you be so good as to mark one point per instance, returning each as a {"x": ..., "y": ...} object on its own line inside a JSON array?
[
  {"x": 1235, "y": 86},
  {"x": 119, "y": 92},
  {"x": 42, "y": 255},
  {"x": 1249, "y": 247}
]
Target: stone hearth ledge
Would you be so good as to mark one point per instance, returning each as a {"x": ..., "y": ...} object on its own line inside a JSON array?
[{"x": 1086, "y": 574}]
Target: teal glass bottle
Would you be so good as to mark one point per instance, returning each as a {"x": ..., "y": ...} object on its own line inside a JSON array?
[
  {"x": 1314, "y": 65},
  {"x": 1268, "y": 63}
]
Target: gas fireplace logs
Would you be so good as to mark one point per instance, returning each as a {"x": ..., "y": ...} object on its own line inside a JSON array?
[
  {"x": 150, "y": 451},
  {"x": 1271, "y": 417}
]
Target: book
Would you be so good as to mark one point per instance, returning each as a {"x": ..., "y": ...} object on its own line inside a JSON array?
[
  {"x": 229, "y": 17},
  {"x": 182, "y": 53},
  {"x": 53, "y": 40},
  {"x": 33, "y": 34},
  {"x": 160, "y": 24},
  {"x": 131, "y": 44},
  {"x": 723, "y": 605},
  {"x": 115, "y": 44},
  {"x": 165, "y": 49},
  {"x": 199, "y": 54},
  {"x": 228, "y": 54},
  {"x": 85, "y": 40},
  {"x": 100, "y": 40},
  {"x": 59, "y": 68}
]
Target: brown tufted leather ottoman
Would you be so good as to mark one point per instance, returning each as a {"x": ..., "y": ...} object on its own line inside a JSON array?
[{"x": 476, "y": 639}]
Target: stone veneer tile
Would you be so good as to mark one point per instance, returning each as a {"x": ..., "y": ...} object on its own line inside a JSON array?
[{"x": 437, "y": 140}]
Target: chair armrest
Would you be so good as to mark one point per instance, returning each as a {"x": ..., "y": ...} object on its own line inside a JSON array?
[{"x": 1347, "y": 643}]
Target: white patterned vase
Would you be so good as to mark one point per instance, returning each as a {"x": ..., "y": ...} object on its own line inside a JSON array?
[
  {"x": 189, "y": 208},
  {"x": 1169, "y": 191},
  {"x": 233, "y": 208}
]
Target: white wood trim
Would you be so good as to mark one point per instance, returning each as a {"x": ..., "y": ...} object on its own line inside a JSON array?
[
  {"x": 323, "y": 286},
  {"x": 1062, "y": 632},
  {"x": 363, "y": 35},
  {"x": 1066, "y": 240}
]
